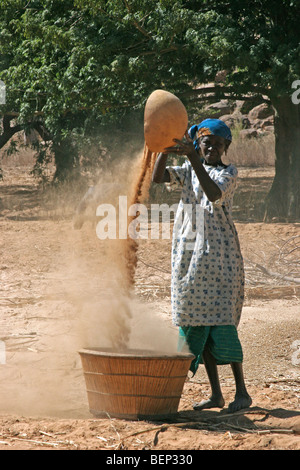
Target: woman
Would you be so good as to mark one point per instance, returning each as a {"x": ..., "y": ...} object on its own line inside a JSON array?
[{"x": 207, "y": 265}]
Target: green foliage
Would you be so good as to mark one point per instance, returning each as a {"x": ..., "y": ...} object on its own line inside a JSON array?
[
  {"x": 80, "y": 66},
  {"x": 105, "y": 56}
]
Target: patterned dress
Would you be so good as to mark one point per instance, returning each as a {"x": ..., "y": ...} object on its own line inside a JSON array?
[{"x": 207, "y": 286}]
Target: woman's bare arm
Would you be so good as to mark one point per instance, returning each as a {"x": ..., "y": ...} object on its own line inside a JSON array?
[
  {"x": 187, "y": 148},
  {"x": 160, "y": 174}
]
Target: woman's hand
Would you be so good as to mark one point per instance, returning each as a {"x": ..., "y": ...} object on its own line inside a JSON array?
[
  {"x": 183, "y": 147},
  {"x": 186, "y": 147}
]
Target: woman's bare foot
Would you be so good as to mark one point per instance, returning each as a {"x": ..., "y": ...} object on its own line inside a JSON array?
[
  {"x": 212, "y": 402},
  {"x": 240, "y": 402}
]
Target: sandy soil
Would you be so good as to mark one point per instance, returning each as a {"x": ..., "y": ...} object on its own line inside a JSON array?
[{"x": 55, "y": 298}]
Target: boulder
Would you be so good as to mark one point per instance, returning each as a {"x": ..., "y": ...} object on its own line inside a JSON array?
[
  {"x": 245, "y": 106},
  {"x": 228, "y": 119},
  {"x": 268, "y": 129},
  {"x": 262, "y": 124},
  {"x": 256, "y": 123},
  {"x": 236, "y": 119},
  {"x": 269, "y": 121},
  {"x": 215, "y": 110},
  {"x": 248, "y": 133},
  {"x": 239, "y": 105},
  {"x": 221, "y": 76},
  {"x": 245, "y": 122},
  {"x": 262, "y": 111}
]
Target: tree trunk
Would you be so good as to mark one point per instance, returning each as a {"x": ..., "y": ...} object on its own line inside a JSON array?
[
  {"x": 66, "y": 160},
  {"x": 283, "y": 200}
]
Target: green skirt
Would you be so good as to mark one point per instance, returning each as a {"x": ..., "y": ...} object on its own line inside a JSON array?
[{"x": 222, "y": 341}]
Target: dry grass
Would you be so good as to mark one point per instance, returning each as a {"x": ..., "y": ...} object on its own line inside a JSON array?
[
  {"x": 254, "y": 152},
  {"x": 21, "y": 156}
]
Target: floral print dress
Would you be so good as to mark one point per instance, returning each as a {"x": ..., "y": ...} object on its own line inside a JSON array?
[{"x": 207, "y": 286}]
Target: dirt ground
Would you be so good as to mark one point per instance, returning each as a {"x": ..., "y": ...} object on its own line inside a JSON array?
[{"x": 53, "y": 283}]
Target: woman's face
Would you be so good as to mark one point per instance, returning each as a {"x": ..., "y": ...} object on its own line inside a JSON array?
[{"x": 212, "y": 147}]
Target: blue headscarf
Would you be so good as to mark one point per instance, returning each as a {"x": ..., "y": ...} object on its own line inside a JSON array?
[{"x": 209, "y": 127}]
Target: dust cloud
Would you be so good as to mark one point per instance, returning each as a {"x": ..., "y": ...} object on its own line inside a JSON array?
[
  {"x": 86, "y": 299},
  {"x": 112, "y": 316}
]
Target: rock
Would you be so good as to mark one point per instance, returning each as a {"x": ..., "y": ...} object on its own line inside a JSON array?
[
  {"x": 262, "y": 111},
  {"x": 221, "y": 76},
  {"x": 245, "y": 106},
  {"x": 239, "y": 105},
  {"x": 228, "y": 119},
  {"x": 268, "y": 129},
  {"x": 218, "y": 109},
  {"x": 245, "y": 122},
  {"x": 248, "y": 133},
  {"x": 269, "y": 121},
  {"x": 236, "y": 119},
  {"x": 256, "y": 123}
]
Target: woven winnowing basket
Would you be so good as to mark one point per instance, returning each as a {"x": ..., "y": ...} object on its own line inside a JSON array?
[
  {"x": 165, "y": 119},
  {"x": 134, "y": 384}
]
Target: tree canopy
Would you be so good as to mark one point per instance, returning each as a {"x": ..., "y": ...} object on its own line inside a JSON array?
[{"x": 74, "y": 67}]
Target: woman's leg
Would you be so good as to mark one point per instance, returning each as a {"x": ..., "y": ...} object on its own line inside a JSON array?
[
  {"x": 242, "y": 398},
  {"x": 216, "y": 400}
]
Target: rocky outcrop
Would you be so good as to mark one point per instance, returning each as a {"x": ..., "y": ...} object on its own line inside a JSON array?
[
  {"x": 258, "y": 121},
  {"x": 262, "y": 111},
  {"x": 221, "y": 108}
]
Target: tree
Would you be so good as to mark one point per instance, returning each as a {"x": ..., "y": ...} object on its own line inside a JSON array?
[
  {"x": 258, "y": 43},
  {"x": 185, "y": 43},
  {"x": 34, "y": 40},
  {"x": 82, "y": 68}
]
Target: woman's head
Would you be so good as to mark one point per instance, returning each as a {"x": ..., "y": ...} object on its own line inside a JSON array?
[{"x": 212, "y": 138}]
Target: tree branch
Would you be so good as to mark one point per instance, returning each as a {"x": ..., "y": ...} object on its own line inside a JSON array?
[
  {"x": 8, "y": 131},
  {"x": 212, "y": 98},
  {"x": 220, "y": 91},
  {"x": 136, "y": 23},
  {"x": 273, "y": 274}
]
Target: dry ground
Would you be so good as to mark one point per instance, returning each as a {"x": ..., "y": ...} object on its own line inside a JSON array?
[{"x": 52, "y": 283}]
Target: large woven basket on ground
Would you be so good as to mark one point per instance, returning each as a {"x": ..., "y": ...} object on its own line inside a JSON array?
[{"x": 134, "y": 383}]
